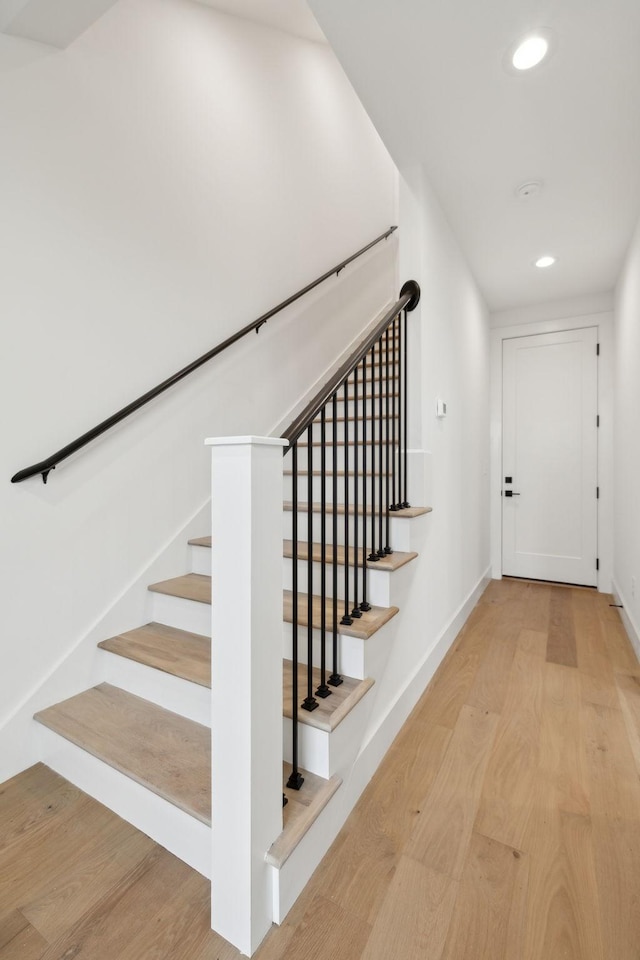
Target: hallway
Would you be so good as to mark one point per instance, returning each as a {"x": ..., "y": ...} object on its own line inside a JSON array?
[{"x": 504, "y": 822}]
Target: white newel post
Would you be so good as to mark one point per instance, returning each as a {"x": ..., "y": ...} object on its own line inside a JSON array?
[{"x": 246, "y": 671}]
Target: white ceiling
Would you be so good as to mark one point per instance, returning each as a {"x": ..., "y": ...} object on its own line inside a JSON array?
[
  {"x": 292, "y": 16},
  {"x": 431, "y": 74}
]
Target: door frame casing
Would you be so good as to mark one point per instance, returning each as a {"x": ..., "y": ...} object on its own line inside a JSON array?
[{"x": 604, "y": 323}]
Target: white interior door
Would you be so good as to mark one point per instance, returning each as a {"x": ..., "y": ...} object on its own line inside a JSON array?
[{"x": 550, "y": 457}]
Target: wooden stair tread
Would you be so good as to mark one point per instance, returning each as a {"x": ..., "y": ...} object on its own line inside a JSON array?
[
  {"x": 200, "y": 542},
  {"x": 330, "y": 711},
  {"x": 300, "y": 813},
  {"x": 182, "y": 654},
  {"x": 408, "y": 512},
  {"x": 191, "y": 586},
  {"x": 392, "y": 561},
  {"x": 163, "y": 751},
  {"x": 362, "y": 628}
]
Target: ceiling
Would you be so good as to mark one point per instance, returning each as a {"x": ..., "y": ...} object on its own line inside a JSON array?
[
  {"x": 292, "y": 16},
  {"x": 431, "y": 74}
]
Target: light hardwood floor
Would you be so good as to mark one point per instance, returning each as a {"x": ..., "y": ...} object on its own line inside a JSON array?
[{"x": 504, "y": 823}]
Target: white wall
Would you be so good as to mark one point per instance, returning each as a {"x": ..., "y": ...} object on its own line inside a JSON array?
[
  {"x": 449, "y": 349},
  {"x": 171, "y": 175},
  {"x": 626, "y": 567}
]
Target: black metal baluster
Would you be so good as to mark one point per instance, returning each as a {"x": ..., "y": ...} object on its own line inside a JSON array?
[
  {"x": 394, "y": 414},
  {"x": 356, "y": 611},
  {"x": 323, "y": 690},
  {"x": 380, "y": 455},
  {"x": 405, "y": 500},
  {"x": 400, "y": 418},
  {"x": 364, "y": 606},
  {"x": 373, "y": 556},
  {"x": 387, "y": 432},
  {"x": 335, "y": 679},
  {"x": 309, "y": 702},
  {"x": 346, "y": 619},
  {"x": 295, "y": 780}
]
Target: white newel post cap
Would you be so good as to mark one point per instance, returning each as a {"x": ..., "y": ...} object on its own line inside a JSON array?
[{"x": 246, "y": 442}]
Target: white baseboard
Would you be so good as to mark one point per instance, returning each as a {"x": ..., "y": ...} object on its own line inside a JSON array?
[{"x": 630, "y": 626}]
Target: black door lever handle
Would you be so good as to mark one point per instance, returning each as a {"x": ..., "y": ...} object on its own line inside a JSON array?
[{"x": 511, "y": 493}]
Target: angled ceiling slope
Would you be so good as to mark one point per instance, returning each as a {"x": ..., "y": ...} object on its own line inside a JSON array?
[
  {"x": 291, "y": 16},
  {"x": 56, "y": 22},
  {"x": 432, "y": 76}
]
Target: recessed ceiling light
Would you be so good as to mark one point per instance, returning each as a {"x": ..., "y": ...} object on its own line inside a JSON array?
[
  {"x": 546, "y": 261},
  {"x": 530, "y": 51}
]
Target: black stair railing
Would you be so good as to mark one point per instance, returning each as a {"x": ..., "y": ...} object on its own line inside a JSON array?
[
  {"x": 44, "y": 467},
  {"x": 367, "y": 448}
]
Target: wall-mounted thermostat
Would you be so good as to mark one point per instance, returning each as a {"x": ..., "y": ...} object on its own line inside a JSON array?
[{"x": 441, "y": 408}]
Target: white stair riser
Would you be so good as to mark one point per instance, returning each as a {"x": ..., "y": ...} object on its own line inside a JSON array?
[
  {"x": 181, "y": 834},
  {"x": 356, "y": 658},
  {"x": 313, "y": 748},
  {"x": 303, "y": 492},
  {"x": 378, "y": 582},
  {"x": 183, "y": 614},
  {"x": 190, "y": 700},
  {"x": 355, "y": 661},
  {"x": 369, "y": 407},
  {"x": 340, "y": 458},
  {"x": 368, "y": 426},
  {"x": 399, "y": 532},
  {"x": 200, "y": 558},
  {"x": 326, "y": 754},
  {"x": 316, "y": 528}
]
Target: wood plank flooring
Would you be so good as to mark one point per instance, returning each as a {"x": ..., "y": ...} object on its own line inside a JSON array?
[{"x": 503, "y": 824}]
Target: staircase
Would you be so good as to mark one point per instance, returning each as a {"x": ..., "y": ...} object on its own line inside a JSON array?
[{"x": 140, "y": 739}]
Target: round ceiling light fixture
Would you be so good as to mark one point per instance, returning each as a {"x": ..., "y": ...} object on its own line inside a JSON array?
[
  {"x": 530, "y": 52},
  {"x": 546, "y": 261}
]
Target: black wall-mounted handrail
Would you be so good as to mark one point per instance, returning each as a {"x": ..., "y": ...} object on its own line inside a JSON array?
[
  {"x": 45, "y": 466},
  {"x": 409, "y": 299}
]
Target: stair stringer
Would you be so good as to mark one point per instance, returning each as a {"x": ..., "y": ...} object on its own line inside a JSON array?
[
  {"x": 82, "y": 665},
  {"x": 177, "y": 831},
  {"x": 289, "y": 880}
]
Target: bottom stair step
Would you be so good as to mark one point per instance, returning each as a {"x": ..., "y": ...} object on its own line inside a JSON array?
[
  {"x": 302, "y": 810},
  {"x": 160, "y": 750}
]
